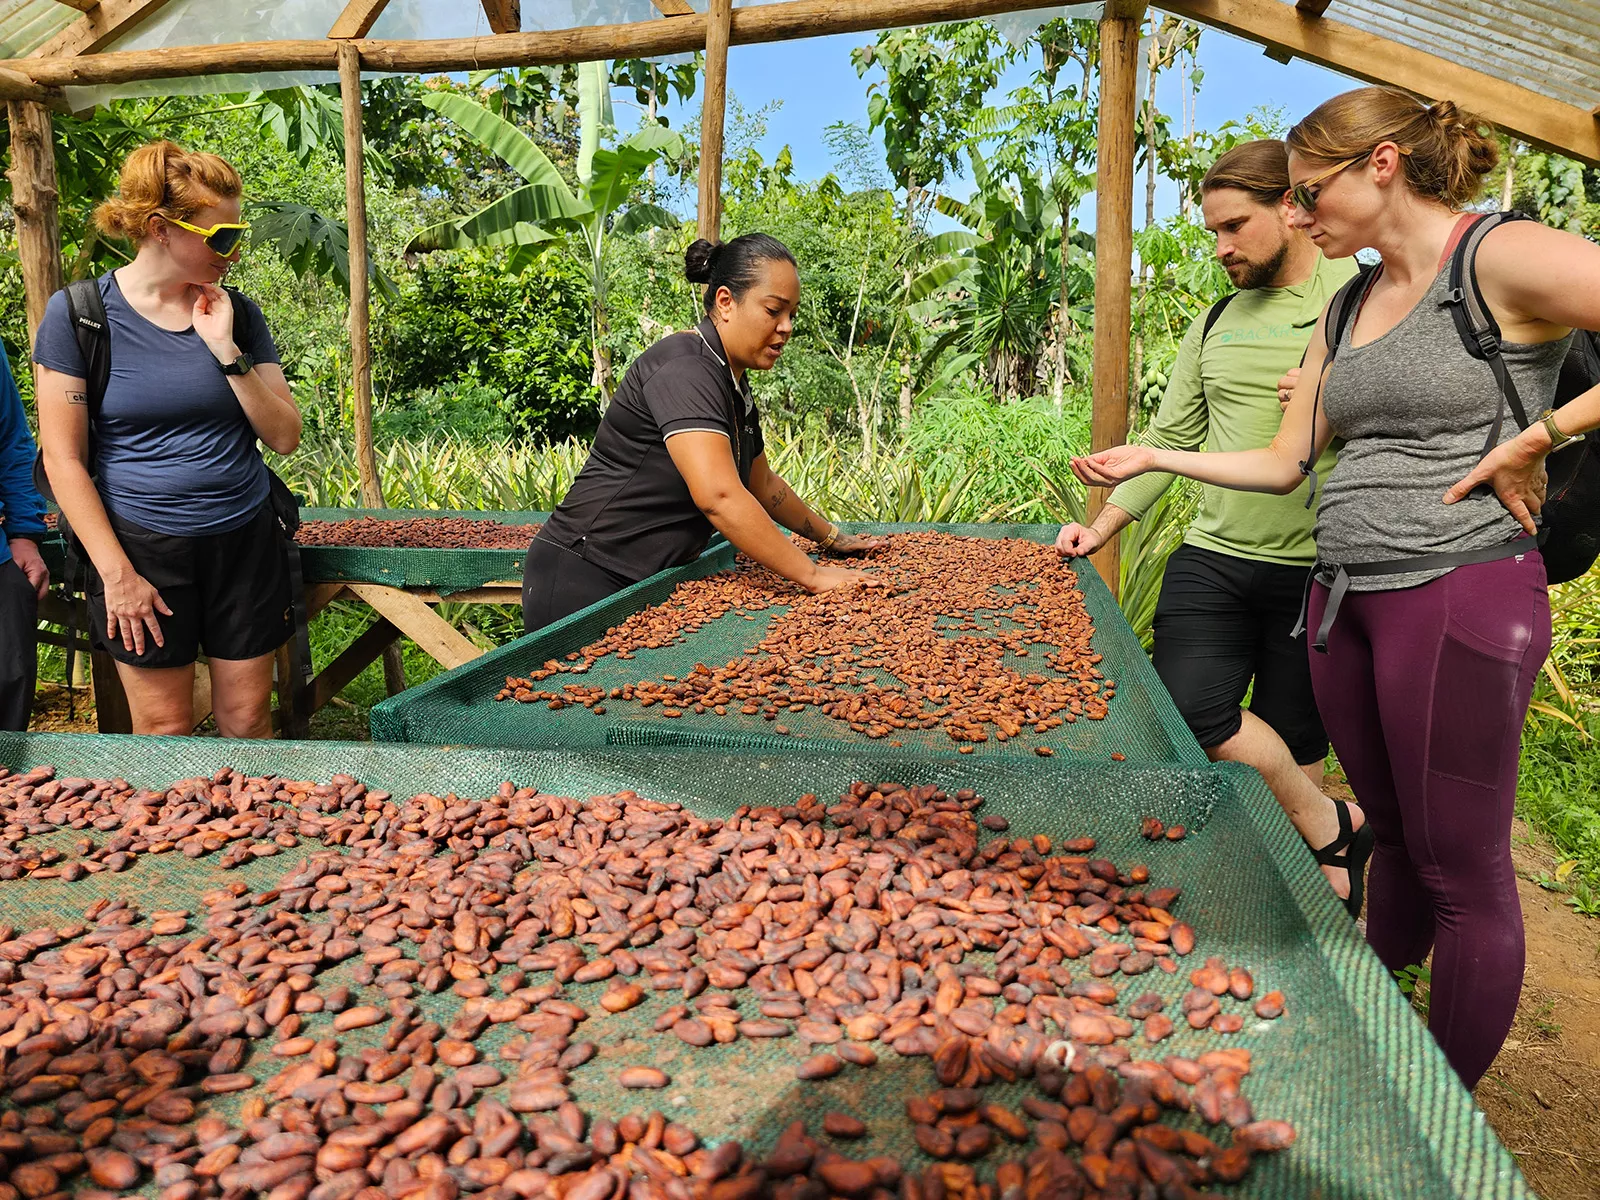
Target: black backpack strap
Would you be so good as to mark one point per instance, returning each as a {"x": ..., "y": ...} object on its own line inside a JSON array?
[
  {"x": 1214, "y": 314},
  {"x": 286, "y": 511},
  {"x": 1342, "y": 308},
  {"x": 87, "y": 313},
  {"x": 1480, "y": 332}
]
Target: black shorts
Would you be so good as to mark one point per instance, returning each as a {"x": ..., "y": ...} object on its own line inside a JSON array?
[
  {"x": 228, "y": 592},
  {"x": 1223, "y": 621}
]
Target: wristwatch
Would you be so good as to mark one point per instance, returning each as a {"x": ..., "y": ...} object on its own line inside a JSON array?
[
  {"x": 242, "y": 365},
  {"x": 1557, "y": 438}
]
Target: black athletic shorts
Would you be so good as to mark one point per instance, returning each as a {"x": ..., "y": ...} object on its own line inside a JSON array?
[
  {"x": 228, "y": 592},
  {"x": 1223, "y": 621}
]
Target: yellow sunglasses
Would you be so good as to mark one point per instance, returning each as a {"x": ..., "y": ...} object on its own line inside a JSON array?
[{"x": 223, "y": 237}]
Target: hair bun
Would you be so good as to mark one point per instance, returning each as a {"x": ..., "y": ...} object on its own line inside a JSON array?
[
  {"x": 700, "y": 260},
  {"x": 1445, "y": 114}
]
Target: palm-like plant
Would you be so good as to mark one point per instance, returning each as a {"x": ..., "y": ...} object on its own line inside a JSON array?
[
  {"x": 545, "y": 213},
  {"x": 993, "y": 284}
]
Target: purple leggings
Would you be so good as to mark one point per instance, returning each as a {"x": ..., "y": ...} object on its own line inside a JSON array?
[{"x": 1424, "y": 691}]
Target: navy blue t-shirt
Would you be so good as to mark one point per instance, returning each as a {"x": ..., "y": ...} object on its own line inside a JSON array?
[{"x": 175, "y": 452}]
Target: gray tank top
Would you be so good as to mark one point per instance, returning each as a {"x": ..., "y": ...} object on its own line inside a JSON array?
[{"x": 1415, "y": 409}]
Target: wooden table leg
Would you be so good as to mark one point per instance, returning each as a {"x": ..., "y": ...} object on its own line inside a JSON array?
[
  {"x": 354, "y": 659},
  {"x": 412, "y": 616},
  {"x": 110, "y": 701},
  {"x": 202, "y": 692},
  {"x": 292, "y": 723}
]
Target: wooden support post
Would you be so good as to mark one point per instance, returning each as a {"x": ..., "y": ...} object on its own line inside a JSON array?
[
  {"x": 713, "y": 110},
  {"x": 355, "y": 188},
  {"x": 34, "y": 200},
  {"x": 1113, "y": 257},
  {"x": 355, "y": 191}
]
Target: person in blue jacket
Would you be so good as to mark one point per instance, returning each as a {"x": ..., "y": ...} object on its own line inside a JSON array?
[{"x": 24, "y": 578}]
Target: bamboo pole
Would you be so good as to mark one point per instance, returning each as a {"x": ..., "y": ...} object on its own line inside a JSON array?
[
  {"x": 1113, "y": 255},
  {"x": 713, "y": 111},
  {"x": 34, "y": 200},
  {"x": 360, "y": 287}
]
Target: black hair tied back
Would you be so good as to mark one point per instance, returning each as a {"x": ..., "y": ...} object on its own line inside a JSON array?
[
  {"x": 700, "y": 259},
  {"x": 734, "y": 265}
]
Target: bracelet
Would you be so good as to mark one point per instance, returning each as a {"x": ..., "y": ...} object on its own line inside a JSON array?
[{"x": 826, "y": 543}]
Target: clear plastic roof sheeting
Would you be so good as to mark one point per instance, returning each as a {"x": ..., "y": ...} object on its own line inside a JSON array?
[
  {"x": 1548, "y": 46},
  {"x": 208, "y": 23}
]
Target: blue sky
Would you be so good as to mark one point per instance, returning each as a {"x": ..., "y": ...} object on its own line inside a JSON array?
[{"x": 815, "y": 85}]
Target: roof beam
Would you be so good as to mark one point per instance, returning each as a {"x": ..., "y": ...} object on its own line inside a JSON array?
[
  {"x": 1522, "y": 112},
  {"x": 1312, "y": 8},
  {"x": 99, "y": 25},
  {"x": 358, "y": 18},
  {"x": 505, "y": 16},
  {"x": 673, "y": 8},
  {"x": 1519, "y": 111},
  {"x": 80, "y": 5}
]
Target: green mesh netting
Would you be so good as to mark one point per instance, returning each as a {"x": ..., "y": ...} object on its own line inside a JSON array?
[
  {"x": 458, "y": 708},
  {"x": 441, "y": 570},
  {"x": 1380, "y": 1113}
]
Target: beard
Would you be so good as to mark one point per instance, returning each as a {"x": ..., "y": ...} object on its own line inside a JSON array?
[{"x": 1261, "y": 274}]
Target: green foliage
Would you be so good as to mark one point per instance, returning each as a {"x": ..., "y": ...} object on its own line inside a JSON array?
[
  {"x": 545, "y": 212},
  {"x": 525, "y": 337},
  {"x": 993, "y": 289},
  {"x": 310, "y": 243},
  {"x": 935, "y": 78},
  {"x": 1187, "y": 161}
]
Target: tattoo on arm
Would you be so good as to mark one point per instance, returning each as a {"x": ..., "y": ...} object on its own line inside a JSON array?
[
  {"x": 78, "y": 398},
  {"x": 808, "y": 530},
  {"x": 779, "y": 495}
]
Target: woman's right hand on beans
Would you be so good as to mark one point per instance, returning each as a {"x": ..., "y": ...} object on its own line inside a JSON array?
[
  {"x": 131, "y": 607},
  {"x": 827, "y": 579}
]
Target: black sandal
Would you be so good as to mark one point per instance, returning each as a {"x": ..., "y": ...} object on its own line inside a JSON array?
[{"x": 1350, "y": 850}]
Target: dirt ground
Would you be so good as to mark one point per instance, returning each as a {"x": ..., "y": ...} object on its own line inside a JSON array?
[{"x": 1543, "y": 1093}]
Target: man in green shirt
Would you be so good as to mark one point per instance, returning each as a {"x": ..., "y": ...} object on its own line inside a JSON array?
[{"x": 1232, "y": 593}]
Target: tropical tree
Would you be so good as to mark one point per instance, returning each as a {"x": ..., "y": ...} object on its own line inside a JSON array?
[
  {"x": 937, "y": 78},
  {"x": 1050, "y": 125},
  {"x": 544, "y": 213},
  {"x": 992, "y": 290}
]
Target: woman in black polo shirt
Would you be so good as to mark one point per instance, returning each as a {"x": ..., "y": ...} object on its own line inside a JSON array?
[{"x": 679, "y": 453}]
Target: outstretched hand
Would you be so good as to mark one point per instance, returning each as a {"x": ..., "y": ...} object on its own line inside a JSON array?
[{"x": 1116, "y": 465}]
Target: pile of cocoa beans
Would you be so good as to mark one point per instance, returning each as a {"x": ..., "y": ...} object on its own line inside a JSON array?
[
  {"x": 417, "y": 533},
  {"x": 937, "y": 650},
  {"x": 894, "y": 919}
]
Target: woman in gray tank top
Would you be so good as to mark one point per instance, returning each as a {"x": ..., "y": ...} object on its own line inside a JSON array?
[{"x": 1425, "y": 684}]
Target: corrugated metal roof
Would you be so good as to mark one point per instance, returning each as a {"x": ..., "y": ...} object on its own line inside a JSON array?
[
  {"x": 1548, "y": 46},
  {"x": 25, "y": 25}
]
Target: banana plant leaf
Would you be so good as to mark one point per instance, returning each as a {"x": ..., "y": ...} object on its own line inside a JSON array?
[
  {"x": 645, "y": 216},
  {"x": 504, "y": 139}
]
